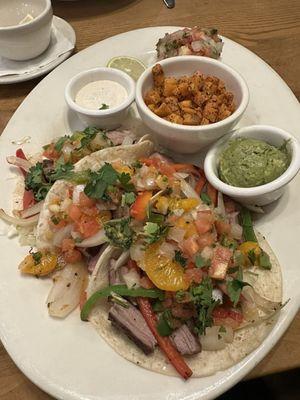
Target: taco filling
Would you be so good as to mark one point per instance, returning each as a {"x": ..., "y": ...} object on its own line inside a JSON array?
[{"x": 165, "y": 267}]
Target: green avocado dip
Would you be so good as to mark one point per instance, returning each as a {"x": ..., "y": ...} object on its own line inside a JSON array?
[{"x": 247, "y": 162}]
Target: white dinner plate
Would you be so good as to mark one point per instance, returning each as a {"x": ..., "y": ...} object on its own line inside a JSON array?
[
  {"x": 67, "y": 31},
  {"x": 67, "y": 358}
]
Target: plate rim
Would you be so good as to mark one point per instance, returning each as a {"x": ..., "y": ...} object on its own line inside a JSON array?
[{"x": 258, "y": 353}]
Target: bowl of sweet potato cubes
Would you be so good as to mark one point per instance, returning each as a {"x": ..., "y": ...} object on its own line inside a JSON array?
[{"x": 189, "y": 102}]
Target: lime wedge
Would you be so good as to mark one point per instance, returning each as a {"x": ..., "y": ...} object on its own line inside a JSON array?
[{"x": 132, "y": 66}]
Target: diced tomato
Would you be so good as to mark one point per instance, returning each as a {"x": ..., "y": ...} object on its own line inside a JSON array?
[
  {"x": 190, "y": 265},
  {"x": 193, "y": 275},
  {"x": 207, "y": 239},
  {"x": 67, "y": 245},
  {"x": 220, "y": 262},
  {"x": 204, "y": 221},
  {"x": 85, "y": 201},
  {"x": 138, "y": 209},
  {"x": 190, "y": 246},
  {"x": 87, "y": 226},
  {"x": 74, "y": 212},
  {"x": 146, "y": 283},
  {"x": 72, "y": 256},
  {"x": 28, "y": 199},
  {"x": 51, "y": 153},
  {"x": 226, "y": 316},
  {"x": 90, "y": 211},
  {"x": 162, "y": 166},
  {"x": 223, "y": 227}
]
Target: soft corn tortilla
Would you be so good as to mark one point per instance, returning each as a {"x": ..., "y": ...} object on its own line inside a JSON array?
[
  {"x": 268, "y": 284},
  {"x": 93, "y": 162}
]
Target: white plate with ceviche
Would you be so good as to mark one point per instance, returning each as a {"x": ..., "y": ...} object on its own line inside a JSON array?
[{"x": 119, "y": 211}]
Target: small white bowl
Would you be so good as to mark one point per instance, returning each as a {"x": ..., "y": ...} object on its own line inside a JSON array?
[
  {"x": 29, "y": 40},
  {"x": 258, "y": 195},
  {"x": 110, "y": 118},
  {"x": 189, "y": 139}
]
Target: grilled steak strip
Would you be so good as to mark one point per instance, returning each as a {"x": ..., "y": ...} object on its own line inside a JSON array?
[{"x": 132, "y": 323}]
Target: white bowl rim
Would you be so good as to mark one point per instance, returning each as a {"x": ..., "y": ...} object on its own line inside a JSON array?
[
  {"x": 277, "y": 183},
  {"x": 32, "y": 22},
  {"x": 98, "y": 113},
  {"x": 192, "y": 128}
]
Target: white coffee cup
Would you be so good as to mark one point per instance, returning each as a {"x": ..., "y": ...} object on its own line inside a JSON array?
[{"x": 25, "y": 28}]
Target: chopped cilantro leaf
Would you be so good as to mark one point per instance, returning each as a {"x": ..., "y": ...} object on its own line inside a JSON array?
[
  {"x": 252, "y": 256},
  {"x": 200, "y": 261},
  {"x": 222, "y": 329},
  {"x": 124, "y": 180},
  {"x": 128, "y": 198},
  {"x": 235, "y": 286},
  {"x": 104, "y": 106},
  {"x": 204, "y": 302},
  {"x": 99, "y": 182},
  {"x": 154, "y": 217},
  {"x": 264, "y": 260},
  {"x": 119, "y": 232},
  {"x": 179, "y": 258},
  {"x": 164, "y": 325},
  {"x": 205, "y": 198},
  {"x": 60, "y": 143},
  {"x": 154, "y": 232},
  {"x": 37, "y": 257}
]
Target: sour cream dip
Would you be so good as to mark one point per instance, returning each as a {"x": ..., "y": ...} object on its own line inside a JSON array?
[{"x": 101, "y": 95}]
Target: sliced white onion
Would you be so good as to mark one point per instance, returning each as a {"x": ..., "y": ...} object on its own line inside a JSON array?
[
  {"x": 131, "y": 278},
  {"x": 19, "y": 162},
  {"x": 128, "y": 140},
  {"x": 65, "y": 293},
  {"x": 62, "y": 234},
  {"x": 145, "y": 137},
  {"x": 76, "y": 192},
  {"x": 215, "y": 338},
  {"x": 236, "y": 231},
  {"x": 217, "y": 295},
  {"x": 95, "y": 240},
  {"x": 176, "y": 234},
  {"x": 187, "y": 190},
  {"x": 221, "y": 206},
  {"x": 178, "y": 212},
  {"x": 35, "y": 209},
  {"x": 181, "y": 175},
  {"x": 197, "y": 45},
  {"x": 167, "y": 250},
  {"x": 156, "y": 196},
  {"x": 137, "y": 252},
  {"x": 99, "y": 277},
  {"x": 122, "y": 259},
  {"x": 207, "y": 253},
  {"x": 18, "y": 221}
]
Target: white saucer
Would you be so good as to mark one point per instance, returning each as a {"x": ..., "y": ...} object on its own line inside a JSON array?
[{"x": 66, "y": 29}]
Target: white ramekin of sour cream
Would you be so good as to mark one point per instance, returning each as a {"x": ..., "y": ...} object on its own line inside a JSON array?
[{"x": 101, "y": 97}]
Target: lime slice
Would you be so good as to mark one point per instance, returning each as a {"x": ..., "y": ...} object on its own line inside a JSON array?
[{"x": 132, "y": 66}]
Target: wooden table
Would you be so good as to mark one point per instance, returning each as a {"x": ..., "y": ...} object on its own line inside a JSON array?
[{"x": 270, "y": 28}]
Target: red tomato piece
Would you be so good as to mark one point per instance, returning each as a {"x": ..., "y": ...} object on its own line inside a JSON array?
[
  {"x": 204, "y": 221},
  {"x": 51, "y": 153},
  {"x": 220, "y": 262},
  {"x": 223, "y": 227},
  {"x": 138, "y": 209},
  {"x": 190, "y": 246},
  {"x": 85, "y": 201},
  {"x": 87, "y": 226},
  {"x": 74, "y": 212},
  {"x": 72, "y": 256},
  {"x": 207, "y": 239},
  {"x": 193, "y": 275},
  {"x": 227, "y": 316}
]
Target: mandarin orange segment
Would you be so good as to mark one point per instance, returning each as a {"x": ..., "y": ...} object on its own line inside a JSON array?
[{"x": 165, "y": 273}]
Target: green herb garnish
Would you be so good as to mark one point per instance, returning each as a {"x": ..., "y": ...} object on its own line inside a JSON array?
[
  {"x": 119, "y": 232},
  {"x": 205, "y": 198},
  {"x": 179, "y": 258},
  {"x": 103, "y": 107}
]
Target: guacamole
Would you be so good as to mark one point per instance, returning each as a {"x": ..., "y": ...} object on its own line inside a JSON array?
[{"x": 247, "y": 162}]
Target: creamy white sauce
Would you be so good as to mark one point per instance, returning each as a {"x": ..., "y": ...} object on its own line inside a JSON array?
[{"x": 105, "y": 94}]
